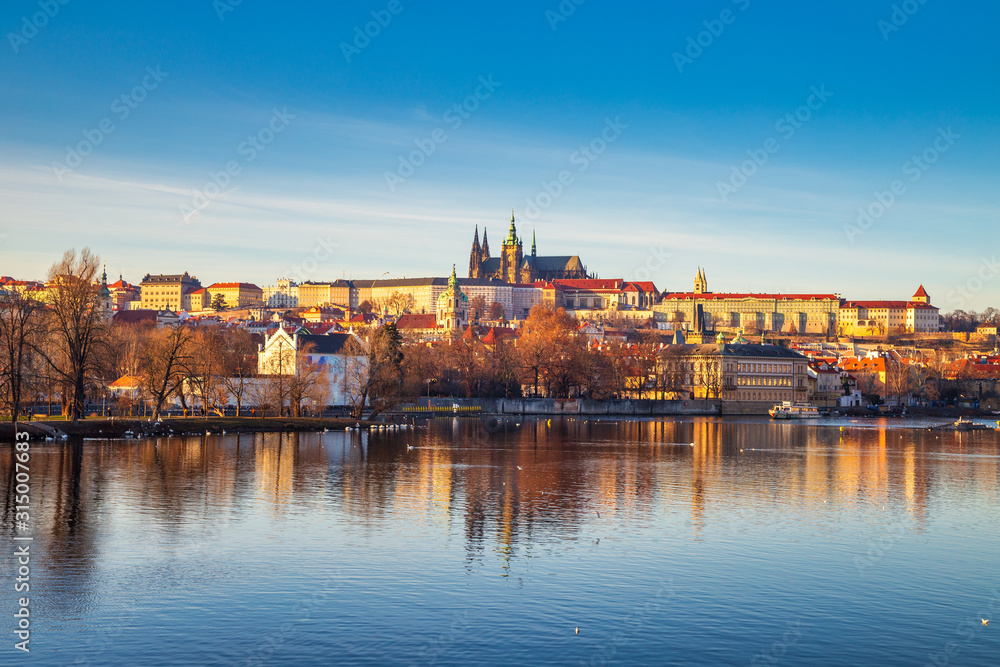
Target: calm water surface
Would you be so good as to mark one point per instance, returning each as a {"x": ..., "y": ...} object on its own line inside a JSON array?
[{"x": 490, "y": 544}]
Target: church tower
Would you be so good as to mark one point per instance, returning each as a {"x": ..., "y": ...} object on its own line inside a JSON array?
[
  {"x": 486, "y": 246},
  {"x": 476, "y": 256},
  {"x": 700, "y": 283},
  {"x": 104, "y": 301},
  {"x": 512, "y": 255},
  {"x": 452, "y": 306}
]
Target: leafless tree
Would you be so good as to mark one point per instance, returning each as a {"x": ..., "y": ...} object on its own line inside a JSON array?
[
  {"x": 205, "y": 368},
  {"x": 239, "y": 365},
  {"x": 279, "y": 366},
  {"x": 19, "y": 320},
  {"x": 165, "y": 364},
  {"x": 477, "y": 306},
  {"x": 75, "y": 327},
  {"x": 869, "y": 384},
  {"x": 672, "y": 369},
  {"x": 373, "y": 371},
  {"x": 305, "y": 378}
]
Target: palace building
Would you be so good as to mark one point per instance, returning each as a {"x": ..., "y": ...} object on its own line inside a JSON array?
[
  {"x": 787, "y": 313},
  {"x": 513, "y": 266}
]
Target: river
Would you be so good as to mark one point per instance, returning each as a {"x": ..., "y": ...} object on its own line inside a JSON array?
[{"x": 469, "y": 541}]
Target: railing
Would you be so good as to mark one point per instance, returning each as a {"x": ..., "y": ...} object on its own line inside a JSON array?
[{"x": 442, "y": 408}]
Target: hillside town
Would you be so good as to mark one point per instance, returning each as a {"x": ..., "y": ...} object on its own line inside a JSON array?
[{"x": 519, "y": 325}]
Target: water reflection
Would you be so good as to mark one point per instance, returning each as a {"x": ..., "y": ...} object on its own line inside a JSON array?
[
  {"x": 505, "y": 486},
  {"x": 109, "y": 515}
]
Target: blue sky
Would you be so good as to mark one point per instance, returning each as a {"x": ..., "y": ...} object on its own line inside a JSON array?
[{"x": 665, "y": 132}]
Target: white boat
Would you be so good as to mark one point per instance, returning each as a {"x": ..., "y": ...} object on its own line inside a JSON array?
[{"x": 789, "y": 410}]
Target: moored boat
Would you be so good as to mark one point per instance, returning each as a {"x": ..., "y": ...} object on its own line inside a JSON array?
[{"x": 789, "y": 410}]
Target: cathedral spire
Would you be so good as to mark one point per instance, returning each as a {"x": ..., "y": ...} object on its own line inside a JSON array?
[
  {"x": 512, "y": 232},
  {"x": 532, "y": 242},
  {"x": 486, "y": 245},
  {"x": 475, "y": 257}
]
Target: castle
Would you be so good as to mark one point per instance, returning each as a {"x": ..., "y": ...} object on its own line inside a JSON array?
[{"x": 512, "y": 266}]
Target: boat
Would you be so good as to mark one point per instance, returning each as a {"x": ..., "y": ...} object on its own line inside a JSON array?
[
  {"x": 789, "y": 410},
  {"x": 968, "y": 425}
]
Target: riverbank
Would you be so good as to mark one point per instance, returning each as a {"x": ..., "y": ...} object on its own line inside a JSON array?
[{"x": 123, "y": 428}]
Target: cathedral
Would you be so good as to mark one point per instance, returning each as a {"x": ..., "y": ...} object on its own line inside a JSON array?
[{"x": 513, "y": 266}]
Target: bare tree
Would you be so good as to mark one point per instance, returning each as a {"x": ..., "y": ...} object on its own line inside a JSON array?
[
  {"x": 278, "y": 365},
  {"x": 19, "y": 319},
  {"x": 897, "y": 379},
  {"x": 373, "y": 371},
  {"x": 306, "y": 376},
  {"x": 477, "y": 306},
  {"x": 126, "y": 345},
  {"x": 205, "y": 367},
  {"x": 75, "y": 326},
  {"x": 261, "y": 394},
  {"x": 711, "y": 376},
  {"x": 165, "y": 364},
  {"x": 239, "y": 365},
  {"x": 869, "y": 384},
  {"x": 496, "y": 311},
  {"x": 672, "y": 370}
]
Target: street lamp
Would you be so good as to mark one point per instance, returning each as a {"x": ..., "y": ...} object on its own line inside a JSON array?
[{"x": 429, "y": 382}]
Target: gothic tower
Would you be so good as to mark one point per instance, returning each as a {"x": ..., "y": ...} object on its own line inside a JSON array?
[
  {"x": 486, "y": 246},
  {"x": 512, "y": 255},
  {"x": 700, "y": 283},
  {"x": 476, "y": 256}
]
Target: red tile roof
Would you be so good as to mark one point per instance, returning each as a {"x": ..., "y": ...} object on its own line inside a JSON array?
[
  {"x": 135, "y": 316},
  {"x": 590, "y": 283},
  {"x": 642, "y": 286},
  {"x": 416, "y": 321},
  {"x": 231, "y": 285},
  {"x": 712, "y": 296},
  {"x": 498, "y": 333},
  {"x": 897, "y": 305}
]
